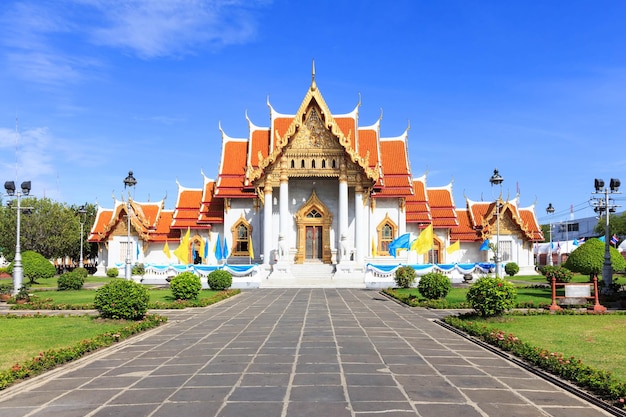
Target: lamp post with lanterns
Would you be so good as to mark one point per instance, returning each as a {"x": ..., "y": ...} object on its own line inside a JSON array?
[
  {"x": 129, "y": 181},
  {"x": 604, "y": 204},
  {"x": 550, "y": 211},
  {"x": 496, "y": 179},
  {"x": 18, "y": 271}
]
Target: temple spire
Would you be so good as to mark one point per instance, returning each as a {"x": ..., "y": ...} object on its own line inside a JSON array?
[{"x": 313, "y": 85}]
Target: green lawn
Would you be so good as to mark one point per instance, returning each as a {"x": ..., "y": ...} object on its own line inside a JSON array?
[
  {"x": 87, "y": 296},
  {"x": 24, "y": 338},
  {"x": 52, "y": 282},
  {"x": 526, "y": 296},
  {"x": 596, "y": 339}
]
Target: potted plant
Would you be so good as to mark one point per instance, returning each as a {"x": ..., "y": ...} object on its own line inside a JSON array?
[
  {"x": 22, "y": 296},
  {"x": 5, "y": 291}
]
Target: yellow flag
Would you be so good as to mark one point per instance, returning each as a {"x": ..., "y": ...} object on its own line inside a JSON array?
[
  {"x": 182, "y": 251},
  {"x": 374, "y": 251},
  {"x": 166, "y": 250},
  {"x": 201, "y": 250},
  {"x": 453, "y": 247},
  {"x": 250, "y": 247},
  {"x": 424, "y": 241}
]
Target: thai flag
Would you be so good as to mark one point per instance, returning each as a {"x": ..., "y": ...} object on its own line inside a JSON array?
[{"x": 614, "y": 240}]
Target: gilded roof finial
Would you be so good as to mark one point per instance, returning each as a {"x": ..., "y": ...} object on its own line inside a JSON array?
[{"x": 313, "y": 85}]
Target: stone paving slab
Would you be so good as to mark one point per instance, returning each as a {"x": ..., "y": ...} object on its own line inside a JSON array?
[{"x": 294, "y": 353}]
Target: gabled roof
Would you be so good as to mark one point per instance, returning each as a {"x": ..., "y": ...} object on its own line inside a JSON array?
[
  {"x": 442, "y": 206},
  {"x": 144, "y": 219},
  {"x": 187, "y": 207},
  {"x": 417, "y": 206},
  {"x": 395, "y": 180},
  {"x": 211, "y": 208},
  {"x": 483, "y": 215},
  {"x": 465, "y": 231}
]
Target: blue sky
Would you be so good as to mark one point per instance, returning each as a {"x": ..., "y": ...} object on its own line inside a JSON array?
[{"x": 534, "y": 88}]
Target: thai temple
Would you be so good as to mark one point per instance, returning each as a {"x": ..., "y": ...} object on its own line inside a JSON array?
[{"x": 315, "y": 199}]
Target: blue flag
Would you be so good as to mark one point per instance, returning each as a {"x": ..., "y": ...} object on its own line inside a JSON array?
[
  {"x": 219, "y": 255},
  {"x": 225, "y": 249},
  {"x": 601, "y": 238},
  {"x": 206, "y": 248},
  {"x": 401, "y": 242},
  {"x": 485, "y": 245}
]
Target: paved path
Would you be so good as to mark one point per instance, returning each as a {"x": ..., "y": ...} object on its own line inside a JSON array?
[{"x": 295, "y": 352}]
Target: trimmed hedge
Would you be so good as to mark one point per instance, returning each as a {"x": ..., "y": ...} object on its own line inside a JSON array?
[
  {"x": 491, "y": 296},
  {"x": 220, "y": 280},
  {"x": 35, "y": 267},
  {"x": 186, "y": 286},
  {"x": 122, "y": 299},
  {"x": 71, "y": 280},
  {"x": 434, "y": 286}
]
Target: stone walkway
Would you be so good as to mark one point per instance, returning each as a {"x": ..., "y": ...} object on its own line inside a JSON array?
[{"x": 294, "y": 352}]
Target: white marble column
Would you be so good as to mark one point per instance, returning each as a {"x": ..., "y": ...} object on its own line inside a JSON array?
[
  {"x": 344, "y": 250},
  {"x": 283, "y": 239},
  {"x": 267, "y": 224},
  {"x": 360, "y": 233}
]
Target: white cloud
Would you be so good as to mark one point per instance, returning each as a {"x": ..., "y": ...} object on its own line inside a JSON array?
[
  {"x": 160, "y": 28},
  {"x": 51, "y": 43}
]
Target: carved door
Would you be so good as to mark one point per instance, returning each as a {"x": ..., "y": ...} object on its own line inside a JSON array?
[{"x": 313, "y": 243}]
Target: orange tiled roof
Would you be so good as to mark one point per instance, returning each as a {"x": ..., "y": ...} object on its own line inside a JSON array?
[
  {"x": 417, "y": 207},
  {"x": 368, "y": 142},
  {"x": 187, "y": 208},
  {"x": 396, "y": 179},
  {"x": 465, "y": 231},
  {"x": 348, "y": 127},
  {"x": 212, "y": 208},
  {"x": 442, "y": 207},
  {"x": 485, "y": 213},
  {"x": 231, "y": 177}
]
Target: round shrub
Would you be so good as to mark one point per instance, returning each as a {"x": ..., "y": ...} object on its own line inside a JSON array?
[
  {"x": 405, "y": 276},
  {"x": 35, "y": 267},
  {"x": 186, "y": 286},
  {"x": 561, "y": 273},
  {"x": 220, "y": 280},
  {"x": 82, "y": 272},
  {"x": 122, "y": 299},
  {"x": 434, "y": 285},
  {"x": 511, "y": 268},
  {"x": 491, "y": 296},
  {"x": 71, "y": 280},
  {"x": 113, "y": 272},
  {"x": 138, "y": 269},
  {"x": 588, "y": 258}
]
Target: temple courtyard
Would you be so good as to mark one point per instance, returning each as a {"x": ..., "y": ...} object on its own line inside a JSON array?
[{"x": 295, "y": 352}]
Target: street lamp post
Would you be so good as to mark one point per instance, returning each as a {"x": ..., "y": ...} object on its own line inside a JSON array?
[
  {"x": 18, "y": 271},
  {"x": 129, "y": 181},
  {"x": 83, "y": 216},
  {"x": 496, "y": 179},
  {"x": 607, "y": 206},
  {"x": 550, "y": 211}
]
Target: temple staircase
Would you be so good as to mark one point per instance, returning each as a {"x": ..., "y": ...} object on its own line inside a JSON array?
[{"x": 311, "y": 275}]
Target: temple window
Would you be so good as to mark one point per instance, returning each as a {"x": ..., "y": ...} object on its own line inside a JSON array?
[
  {"x": 323, "y": 163},
  {"x": 293, "y": 163},
  {"x": 302, "y": 164},
  {"x": 313, "y": 163},
  {"x": 387, "y": 230},
  {"x": 314, "y": 214},
  {"x": 334, "y": 164},
  {"x": 242, "y": 234}
]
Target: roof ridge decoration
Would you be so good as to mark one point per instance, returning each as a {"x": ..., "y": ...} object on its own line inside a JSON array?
[
  {"x": 515, "y": 216},
  {"x": 312, "y": 96}
]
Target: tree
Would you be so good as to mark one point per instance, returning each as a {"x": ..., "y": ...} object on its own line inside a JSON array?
[
  {"x": 589, "y": 258},
  {"x": 617, "y": 225},
  {"x": 49, "y": 228}
]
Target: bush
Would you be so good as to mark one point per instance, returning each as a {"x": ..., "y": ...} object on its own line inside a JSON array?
[
  {"x": 138, "y": 269},
  {"x": 588, "y": 258},
  {"x": 511, "y": 268},
  {"x": 112, "y": 272},
  {"x": 561, "y": 273},
  {"x": 491, "y": 296},
  {"x": 186, "y": 286},
  {"x": 82, "y": 272},
  {"x": 405, "y": 276},
  {"x": 220, "y": 280},
  {"x": 122, "y": 299},
  {"x": 71, "y": 280},
  {"x": 35, "y": 267},
  {"x": 434, "y": 285}
]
